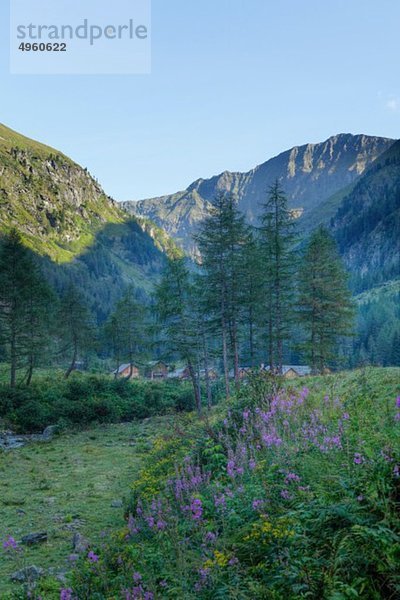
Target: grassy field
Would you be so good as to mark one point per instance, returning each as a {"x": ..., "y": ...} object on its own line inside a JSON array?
[{"x": 67, "y": 486}]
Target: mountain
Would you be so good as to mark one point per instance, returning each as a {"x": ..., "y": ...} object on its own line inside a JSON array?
[
  {"x": 309, "y": 174},
  {"x": 366, "y": 225},
  {"x": 79, "y": 233}
]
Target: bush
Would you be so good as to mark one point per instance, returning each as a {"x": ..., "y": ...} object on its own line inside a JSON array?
[{"x": 84, "y": 399}]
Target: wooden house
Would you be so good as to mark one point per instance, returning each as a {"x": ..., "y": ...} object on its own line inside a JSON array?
[
  {"x": 127, "y": 371},
  {"x": 157, "y": 369},
  {"x": 182, "y": 374},
  {"x": 292, "y": 371},
  {"x": 212, "y": 374}
]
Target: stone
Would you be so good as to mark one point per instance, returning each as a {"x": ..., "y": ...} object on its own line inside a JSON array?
[
  {"x": 79, "y": 543},
  {"x": 34, "y": 538},
  {"x": 48, "y": 433},
  {"x": 27, "y": 574},
  {"x": 117, "y": 504}
]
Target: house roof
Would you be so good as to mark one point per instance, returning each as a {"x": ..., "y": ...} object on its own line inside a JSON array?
[
  {"x": 154, "y": 363},
  {"x": 299, "y": 369},
  {"x": 122, "y": 368},
  {"x": 177, "y": 372}
]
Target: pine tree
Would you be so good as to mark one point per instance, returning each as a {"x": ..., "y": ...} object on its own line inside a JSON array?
[
  {"x": 25, "y": 302},
  {"x": 174, "y": 301},
  {"x": 277, "y": 234},
  {"x": 325, "y": 307}
]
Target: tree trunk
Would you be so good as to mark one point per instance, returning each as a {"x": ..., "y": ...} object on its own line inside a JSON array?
[
  {"x": 206, "y": 372},
  {"x": 13, "y": 358},
  {"x": 30, "y": 371},
  {"x": 197, "y": 395},
  {"x": 225, "y": 360},
  {"x": 73, "y": 362}
]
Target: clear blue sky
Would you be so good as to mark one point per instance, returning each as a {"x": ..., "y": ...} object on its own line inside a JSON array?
[{"x": 233, "y": 83}]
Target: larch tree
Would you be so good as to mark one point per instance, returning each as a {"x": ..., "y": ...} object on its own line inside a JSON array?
[
  {"x": 221, "y": 239},
  {"x": 174, "y": 307},
  {"x": 75, "y": 326},
  {"x": 325, "y": 308},
  {"x": 25, "y": 301},
  {"x": 277, "y": 235}
]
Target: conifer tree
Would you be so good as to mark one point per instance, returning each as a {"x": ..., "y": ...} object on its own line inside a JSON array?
[
  {"x": 174, "y": 302},
  {"x": 277, "y": 234},
  {"x": 221, "y": 239},
  {"x": 325, "y": 307},
  {"x": 126, "y": 330},
  {"x": 25, "y": 301},
  {"x": 76, "y": 329}
]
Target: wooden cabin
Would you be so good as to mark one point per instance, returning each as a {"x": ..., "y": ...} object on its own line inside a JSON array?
[
  {"x": 124, "y": 371},
  {"x": 182, "y": 374},
  {"x": 157, "y": 369},
  {"x": 292, "y": 371},
  {"x": 212, "y": 374}
]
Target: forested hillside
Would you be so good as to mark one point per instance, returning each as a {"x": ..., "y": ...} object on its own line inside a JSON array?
[
  {"x": 79, "y": 234},
  {"x": 367, "y": 223}
]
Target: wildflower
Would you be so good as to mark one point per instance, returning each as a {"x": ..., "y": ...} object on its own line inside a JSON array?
[
  {"x": 396, "y": 470},
  {"x": 161, "y": 525},
  {"x": 66, "y": 594},
  {"x": 233, "y": 561},
  {"x": 210, "y": 537},
  {"x": 398, "y": 402},
  {"x": 358, "y": 458},
  {"x": 137, "y": 577},
  {"x": 257, "y": 504},
  {"x": 10, "y": 544},
  {"x": 285, "y": 494},
  {"x": 197, "y": 509},
  {"x": 93, "y": 557},
  {"x": 230, "y": 468},
  {"x": 345, "y": 416},
  {"x": 163, "y": 584},
  {"x": 252, "y": 464},
  {"x": 360, "y": 498},
  {"x": 397, "y": 416}
]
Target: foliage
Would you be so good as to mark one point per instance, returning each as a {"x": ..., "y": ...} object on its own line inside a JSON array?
[
  {"x": 85, "y": 399},
  {"x": 289, "y": 493}
]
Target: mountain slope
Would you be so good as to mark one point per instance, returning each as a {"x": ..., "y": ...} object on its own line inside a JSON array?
[
  {"x": 309, "y": 175},
  {"x": 80, "y": 233},
  {"x": 367, "y": 223}
]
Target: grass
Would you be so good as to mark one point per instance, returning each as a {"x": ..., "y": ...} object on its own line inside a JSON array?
[{"x": 68, "y": 485}]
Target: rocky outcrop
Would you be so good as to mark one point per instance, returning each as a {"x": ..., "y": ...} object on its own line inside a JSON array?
[{"x": 309, "y": 175}]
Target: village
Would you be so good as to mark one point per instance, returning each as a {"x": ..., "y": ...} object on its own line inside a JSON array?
[{"x": 159, "y": 370}]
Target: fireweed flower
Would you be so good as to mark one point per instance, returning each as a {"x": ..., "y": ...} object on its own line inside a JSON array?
[
  {"x": 93, "y": 557},
  {"x": 10, "y": 544},
  {"x": 197, "y": 509},
  {"x": 286, "y": 495},
  {"x": 358, "y": 458},
  {"x": 257, "y": 504}
]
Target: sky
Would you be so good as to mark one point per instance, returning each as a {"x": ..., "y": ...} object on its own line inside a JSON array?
[{"x": 233, "y": 83}]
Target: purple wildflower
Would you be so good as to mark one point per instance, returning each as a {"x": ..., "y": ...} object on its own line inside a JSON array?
[
  {"x": 66, "y": 594},
  {"x": 197, "y": 509},
  {"x": 93, "y": 557},
  {"x": 358, "y": 458},
  {"x": 10, "y": 544}
]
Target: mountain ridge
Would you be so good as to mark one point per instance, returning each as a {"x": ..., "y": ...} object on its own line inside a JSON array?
[{"x": 309, "y": 173}]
